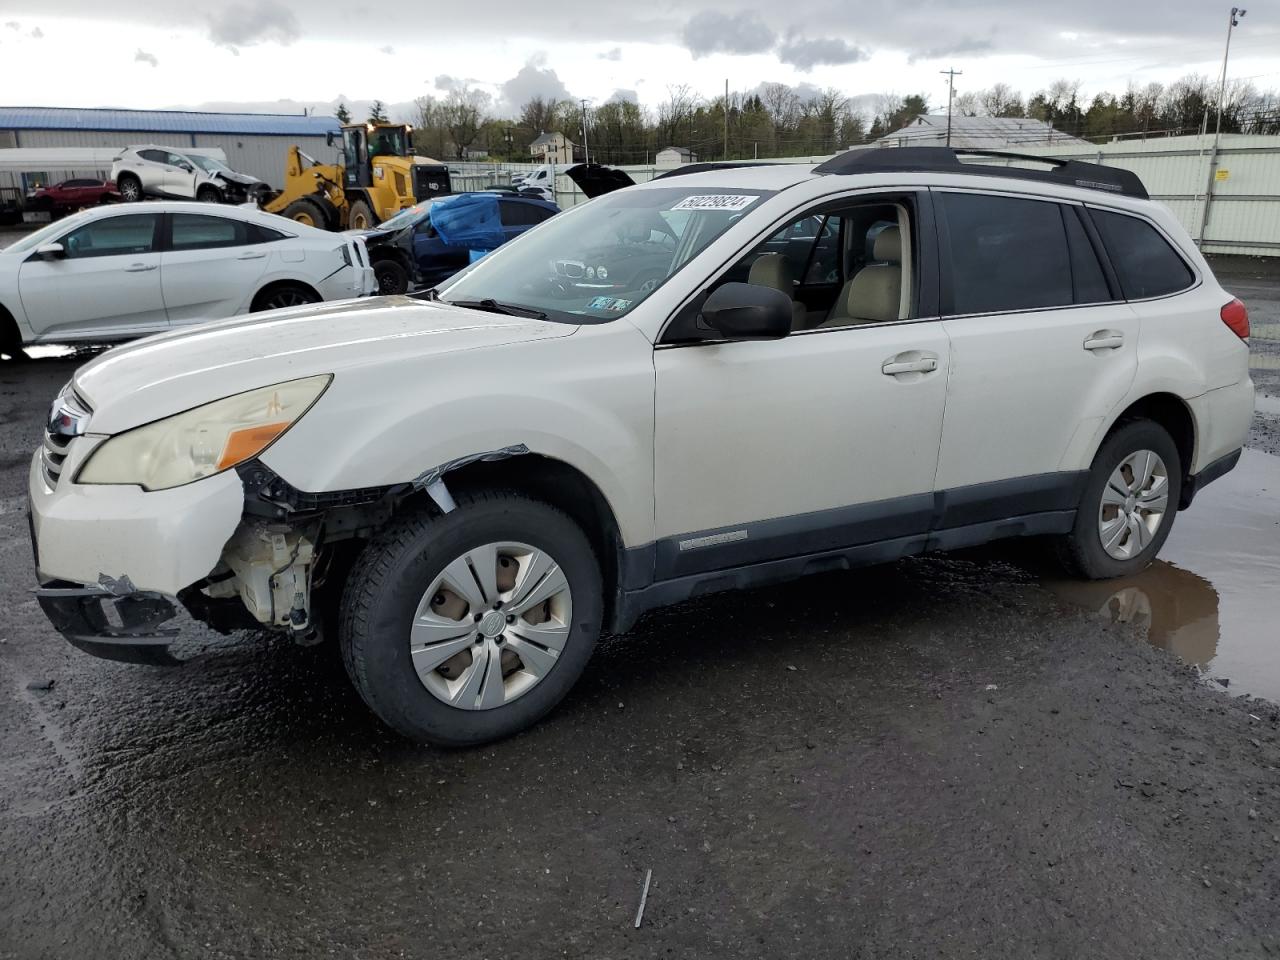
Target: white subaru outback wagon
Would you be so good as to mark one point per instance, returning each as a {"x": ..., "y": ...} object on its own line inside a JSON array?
[{"x": 728, "y": 376}]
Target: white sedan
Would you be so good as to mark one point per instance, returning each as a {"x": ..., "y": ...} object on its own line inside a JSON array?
[{"x": 115, "y": 273}]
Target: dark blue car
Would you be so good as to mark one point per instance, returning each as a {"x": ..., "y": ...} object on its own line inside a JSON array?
[{"x": 435, "y": 239}]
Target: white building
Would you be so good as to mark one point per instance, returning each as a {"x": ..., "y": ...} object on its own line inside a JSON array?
[
  {"x": 674, "y": 157},
  {"x": 553, "y": 148},
  {"x": 978, "y": 133}
]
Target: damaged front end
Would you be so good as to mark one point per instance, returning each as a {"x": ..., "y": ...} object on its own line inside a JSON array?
[{"x": 238, "y": 187}]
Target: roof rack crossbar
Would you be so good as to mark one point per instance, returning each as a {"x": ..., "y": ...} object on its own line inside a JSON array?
[{"x": 1077, "y": 173}]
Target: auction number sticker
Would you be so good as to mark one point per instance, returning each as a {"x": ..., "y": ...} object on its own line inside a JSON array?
[{"x": 717, "y": 201}]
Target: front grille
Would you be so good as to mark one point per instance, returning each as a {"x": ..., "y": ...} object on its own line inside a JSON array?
[{"x": 53, "y": 454}]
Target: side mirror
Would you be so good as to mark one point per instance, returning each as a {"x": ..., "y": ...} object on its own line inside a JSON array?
[
  {"x": 186, "y": 167},
  {"x": 748, "y": 311},
  {"x": 51, "y": 251}
]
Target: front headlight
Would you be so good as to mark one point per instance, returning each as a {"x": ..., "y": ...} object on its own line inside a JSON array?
[{"x": 204, "y": 441}]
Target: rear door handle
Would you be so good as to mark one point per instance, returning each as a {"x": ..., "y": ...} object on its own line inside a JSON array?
[
  {"x": 1104, "y": 340},
  {"x": 895, "y": 366},
  {"x": 251, "y": 255},
  {"x": 141, "y": 267}
]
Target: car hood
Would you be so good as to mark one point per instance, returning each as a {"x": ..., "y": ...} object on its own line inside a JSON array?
[
  {"x": 166, "y": 374},
  {"x": 232, "y": 176},
  {"x": 594, "y": 179}
]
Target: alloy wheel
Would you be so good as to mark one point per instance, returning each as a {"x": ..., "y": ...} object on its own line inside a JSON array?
[
  {"x": 491, "y": 626},
  {"x": 1134, "y": 503}
]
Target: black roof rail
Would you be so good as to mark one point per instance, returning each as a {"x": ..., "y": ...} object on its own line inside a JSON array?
[
  {"x": 689, "y": 168},
  {"x": 1076, "y": 173}
]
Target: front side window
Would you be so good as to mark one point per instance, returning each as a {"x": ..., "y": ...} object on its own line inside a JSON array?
[
  {"x": 599, "y": 262},
  {"x": 208, "y": 164},
  {"x": 1006, "y": 254},
  {"x": 198, "y": 232},
  {"x": 1145, "y": 263},
  {"x": 114, "y": 237}
]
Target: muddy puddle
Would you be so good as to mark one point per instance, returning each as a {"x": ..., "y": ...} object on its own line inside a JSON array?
[{"x": 1213, "y": 598}]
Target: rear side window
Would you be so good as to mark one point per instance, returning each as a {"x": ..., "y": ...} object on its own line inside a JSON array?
[
  {"x": 1144, "y": 261},
  {"x": 1006, "y": 254},
  {"x": 197, "y": 232},
  {"x": 516, "y": 214}
]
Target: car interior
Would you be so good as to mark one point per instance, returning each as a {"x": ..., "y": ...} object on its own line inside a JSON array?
[{"x": 843, "y": 267}]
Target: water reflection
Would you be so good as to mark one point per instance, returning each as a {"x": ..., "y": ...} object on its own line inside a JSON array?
[{"x": 1175, "y": 608}]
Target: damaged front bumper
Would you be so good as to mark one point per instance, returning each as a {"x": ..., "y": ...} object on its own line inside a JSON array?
[{"x": 112, "y": 620}]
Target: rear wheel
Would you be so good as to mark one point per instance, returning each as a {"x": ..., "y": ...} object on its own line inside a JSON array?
[
  {"x": 130, "y": 188},
  {"x": 361, "y": 216},
  {"x": 284, "y": 295},
  {"x": 467, "y": 627},
  {"x": 306, "y": 212},
  {"x": 1129, "y": 503},
  {"x": 393, "y": 278},
  {"x": 10, "y": 338}
]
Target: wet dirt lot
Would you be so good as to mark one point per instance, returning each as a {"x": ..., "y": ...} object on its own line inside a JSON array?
[{"x": 944, "y": 757}]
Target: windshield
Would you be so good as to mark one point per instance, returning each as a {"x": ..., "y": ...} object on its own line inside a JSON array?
[
  {"x": 208, "y": 164},
  {"x": 600, "y": 262},
  {"x": 45, "y": 234},
  {"x": 388, "y": 142},
  {"x": 407, "y": 217}
]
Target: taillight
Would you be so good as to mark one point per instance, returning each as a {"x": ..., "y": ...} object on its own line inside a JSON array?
[{"x": 1236, "y": 316}]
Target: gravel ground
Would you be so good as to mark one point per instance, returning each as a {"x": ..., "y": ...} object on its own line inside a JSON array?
[{"x": 936, "y": 758}]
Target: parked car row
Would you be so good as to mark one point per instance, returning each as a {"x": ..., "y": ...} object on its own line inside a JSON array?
[
  {"x": 721, "y": 378},
  {"x": 71, "y": 195}
]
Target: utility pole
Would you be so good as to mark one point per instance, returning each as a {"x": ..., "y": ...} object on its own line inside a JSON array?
[
  {"x": 951, "y": 94},
  {"x": 586, "y": 150},
  {"x": 726, "y": 118},
  {"x": 1233, "y": 21}
]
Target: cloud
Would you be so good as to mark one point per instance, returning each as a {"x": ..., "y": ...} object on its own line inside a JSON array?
[
  {"x": 966, "y": 46},
  {"x": 240, "y": 25},
  {"x": 143, "y": 57},
  {"x": 13, "y": 25},
  {"x": 613, "y": 54},
  {"x": 622, "y": 93},
  {"x": 711, "y": 32},
  {"x": 447, "y": 84},
  {"x": 532, "y": 80},
  {"x": 37, "y": 34},
  {"x": 805, "y": 54},
  {"x": 388, "y": 49}
]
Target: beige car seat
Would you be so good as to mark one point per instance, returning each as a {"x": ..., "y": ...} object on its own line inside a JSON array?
[
  {"x": 773, "y": 270},
  {"x": 874, "y": 293}
]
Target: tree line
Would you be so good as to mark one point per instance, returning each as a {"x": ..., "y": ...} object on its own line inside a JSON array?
[{"x": 777, "y": 120}]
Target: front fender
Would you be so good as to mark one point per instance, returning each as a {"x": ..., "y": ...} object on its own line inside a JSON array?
[{"x": 584, "y": 399}]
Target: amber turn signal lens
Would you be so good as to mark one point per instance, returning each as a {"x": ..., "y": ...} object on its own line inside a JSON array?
[{"x": 248, "y": 442}]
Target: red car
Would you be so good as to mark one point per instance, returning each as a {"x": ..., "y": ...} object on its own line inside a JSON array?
[{"x": 73, "y": 195}]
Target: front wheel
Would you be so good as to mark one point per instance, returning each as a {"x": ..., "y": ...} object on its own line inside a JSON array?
[
  {"x": 467, "y": 627},
  {"x": 1129, "y": 503},
  {"x": 392, "y": 277},
  {"x": 208, "y": 194},
  {"x": 361, "y": 216}
]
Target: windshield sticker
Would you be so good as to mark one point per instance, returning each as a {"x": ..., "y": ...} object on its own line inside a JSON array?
[
  {"x": 717, "y": 201},
  {"x": 609, "y": 303}
]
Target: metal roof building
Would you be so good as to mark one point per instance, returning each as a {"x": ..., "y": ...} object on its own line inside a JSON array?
[
  {"x": 254, "y": 143},
  {"x": 978, "y": 133}
]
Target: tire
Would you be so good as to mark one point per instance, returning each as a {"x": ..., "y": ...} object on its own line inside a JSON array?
[
  {"x": 283, "y": 295},
  {"x": 10, "y": 339},
  {"x": 389, "y": 586},
  {"x": 393, "y": 278},
  {"x": 307, "y": 212},
  {"x": 130, "y": 188},
  {"x": 361, "y": 216},
  {"x": 1082, "y": 551},
  {"x": 208, "y": 194}
]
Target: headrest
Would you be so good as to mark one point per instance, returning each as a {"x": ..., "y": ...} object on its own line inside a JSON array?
[
  {"x": 888, "y": 245},
  {"x": 772, "y": 270}
]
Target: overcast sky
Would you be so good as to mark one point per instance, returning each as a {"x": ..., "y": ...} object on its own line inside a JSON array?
[{"x": 282, "y": 54}]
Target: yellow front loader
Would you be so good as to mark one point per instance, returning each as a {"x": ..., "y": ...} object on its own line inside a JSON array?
[{"x": 378, "y": 178}]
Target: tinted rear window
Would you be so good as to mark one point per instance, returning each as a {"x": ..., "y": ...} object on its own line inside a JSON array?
[
  {"x": 1145, "y": 262},
  {"x": 1006, "y": 254}
]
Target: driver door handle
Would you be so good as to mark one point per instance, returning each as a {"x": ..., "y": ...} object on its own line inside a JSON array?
[
  {"x": 894, "y": 367},
  {"x": 141, "y": 267}
]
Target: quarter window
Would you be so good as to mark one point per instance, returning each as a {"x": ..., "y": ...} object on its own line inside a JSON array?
[
  {"x": 114, "y": 237},
  {"x": 1144, "y": 261},
  {"x": 1006, "y": 254}
]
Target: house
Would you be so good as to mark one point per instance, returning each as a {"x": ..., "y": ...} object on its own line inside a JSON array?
[
  {"x": 977, "y": 133},
  {"x": 554, "y": 148},
  {"x": 253, "y": 143},
  {"x": 675, "y": 157}
]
